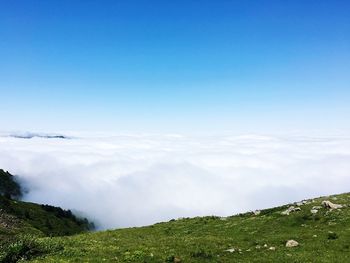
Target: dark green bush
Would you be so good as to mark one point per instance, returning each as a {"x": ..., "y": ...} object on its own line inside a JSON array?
[
  {"x": 26, "y": 248},
  {"x": 202, "y": 253},
  {"x": 8, "y": 185},
  {"x": 332, "y": 235}
]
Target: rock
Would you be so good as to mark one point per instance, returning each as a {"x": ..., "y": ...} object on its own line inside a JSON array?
[
  {"x": 314, "y": 236},
  {"x": 317, "y": 207},
  {"x": 258, "y": 247},
  {"x": 272, "y": 248},
  {"x": 313, "y": 211},
  {"x": 231, "y": 250},
  {"x": 292, "y": 243},
  {"x": 304, "y": 202},
  {"x": 265, "y": 245},
  {"x": 177, "y": 260},
  {"x": 330, "y": 205},
  {"x": 256, "y": 212},
  {"x": 290, "y": 210}
]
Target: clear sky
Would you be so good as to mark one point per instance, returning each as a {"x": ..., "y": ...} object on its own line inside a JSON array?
[{"x": 175, "y": 66}]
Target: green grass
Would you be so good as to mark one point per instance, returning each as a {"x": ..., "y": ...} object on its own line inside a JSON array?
[
  {"x": 23, "y": 223},
  {"x": 49, "y": 220},
  {"x": 323, "y": 237}
]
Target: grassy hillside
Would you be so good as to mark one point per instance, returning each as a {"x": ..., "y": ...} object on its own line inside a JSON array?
[
  {"x": 22, "y": 223},
  {"x": 40, "y": 233},
  {"x": 323, "y": 236},
  {"x": 49, "y": 220}
]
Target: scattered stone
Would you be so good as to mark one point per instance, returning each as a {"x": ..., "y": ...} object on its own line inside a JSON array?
[
  {"x": 256, "y": 212},
  {"x": 317, "y": 207},
  {"x": 258, "y": 247},
  {"x": 304, "y": 202},
  {"x": 231, "y": 250},
  {"x": 330, "y": 205},
  {"x": 292, "y": 243},
  {"x": 313, "y": 211},
  {"x": 290, "y": 210},
  {"x": 272, "y": 248},
  {"x": 8, "y": 221},
  {"x": 314, "y": 236},
  {"x": 265, "y": 245}
]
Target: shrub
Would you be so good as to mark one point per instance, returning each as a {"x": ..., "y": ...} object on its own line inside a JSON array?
[
  {"x": 201, "y": 253},
  {"x": 8, "y": 186},
  {"x": 26, "y": 248},
  {"x": 332, "y": 235}
]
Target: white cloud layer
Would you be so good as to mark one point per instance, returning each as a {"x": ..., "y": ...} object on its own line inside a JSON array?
[{"x": 130, "y": 180}]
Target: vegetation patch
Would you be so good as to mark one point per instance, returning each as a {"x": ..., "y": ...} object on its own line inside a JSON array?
[
  {"x": 8, "y": 186},
  {"x": 246, "y": 237},
  {"x": 26, "y": 248}
]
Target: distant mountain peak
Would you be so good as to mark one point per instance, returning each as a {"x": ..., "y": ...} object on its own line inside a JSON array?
[{"x": 30, "y": 135}]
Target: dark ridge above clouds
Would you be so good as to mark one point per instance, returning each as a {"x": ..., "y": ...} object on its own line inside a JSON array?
[{"x": 30, "y": 135}]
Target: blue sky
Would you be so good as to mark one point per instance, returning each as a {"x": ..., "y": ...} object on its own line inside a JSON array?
[{"x": 175, "y": 66}]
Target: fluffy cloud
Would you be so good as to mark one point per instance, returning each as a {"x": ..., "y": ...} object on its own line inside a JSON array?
[{"x": 131, "y": 180}]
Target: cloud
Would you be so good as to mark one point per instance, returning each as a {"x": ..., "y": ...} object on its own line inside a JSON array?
[{"x": 132, "y": 180}]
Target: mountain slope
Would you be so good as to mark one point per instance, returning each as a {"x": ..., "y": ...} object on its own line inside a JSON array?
[
  {"x": 323, "y": 236},
  {"x": 46, "y": 219},
  {"x": 49, "y": 220},
  {"x": 21, "y": 223}
]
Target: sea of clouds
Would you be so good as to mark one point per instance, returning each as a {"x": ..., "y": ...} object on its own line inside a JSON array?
[{"x": 132, "y": 180}]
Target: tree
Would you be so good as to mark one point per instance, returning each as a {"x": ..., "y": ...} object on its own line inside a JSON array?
[{"x": 9, "y": 188}]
